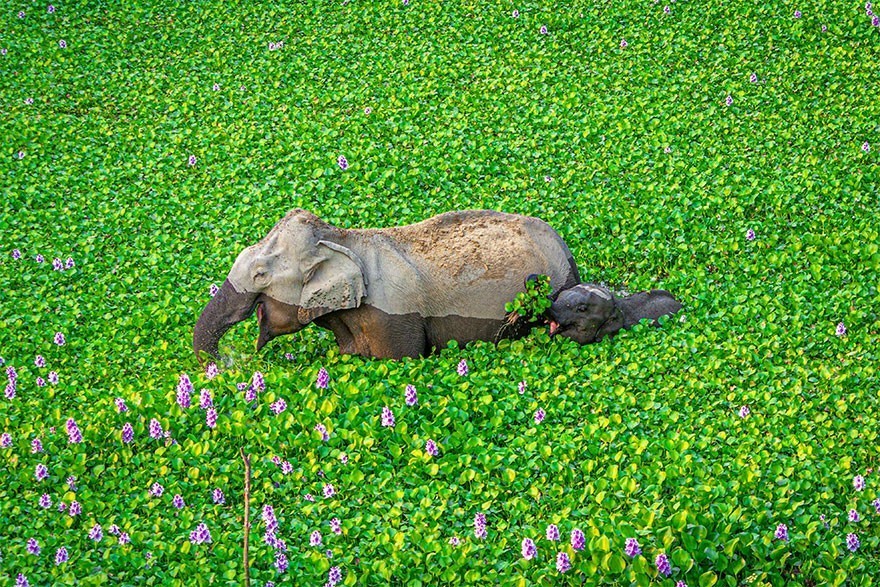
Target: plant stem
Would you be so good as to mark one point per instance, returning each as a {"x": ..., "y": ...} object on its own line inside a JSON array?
[{"x": 247, "y": 517}]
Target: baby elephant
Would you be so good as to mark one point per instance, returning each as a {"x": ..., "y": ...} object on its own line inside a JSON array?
[{"x": 587, "y": 312}]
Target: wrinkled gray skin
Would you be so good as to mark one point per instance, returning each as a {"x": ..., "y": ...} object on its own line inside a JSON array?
[
  {"x": 587, "y": 312},
  {"x": 387, "y": 293}
]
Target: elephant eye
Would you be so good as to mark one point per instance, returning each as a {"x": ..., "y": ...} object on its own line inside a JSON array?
[{"x": 581, "y": 308}]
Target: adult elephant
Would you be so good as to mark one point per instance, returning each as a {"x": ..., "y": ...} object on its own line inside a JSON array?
[{"x": 387, "y": 293}]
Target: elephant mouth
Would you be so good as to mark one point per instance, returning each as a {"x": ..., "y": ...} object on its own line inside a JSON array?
[{"x": 554, "y": 327}]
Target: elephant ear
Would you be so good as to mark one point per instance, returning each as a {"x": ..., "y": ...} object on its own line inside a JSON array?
[{"x": 335, "y": 281}]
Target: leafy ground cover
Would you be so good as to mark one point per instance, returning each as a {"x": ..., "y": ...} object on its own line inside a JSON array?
[{"x": 726, "y": 152}]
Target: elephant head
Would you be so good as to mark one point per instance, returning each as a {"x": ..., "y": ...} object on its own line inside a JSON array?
[
  {"x": 587, "y": 312},
  {"x": 300, "y": 271}
]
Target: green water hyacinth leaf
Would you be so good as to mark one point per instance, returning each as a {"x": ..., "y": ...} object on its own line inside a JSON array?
[{"x": 759, "y": 216}]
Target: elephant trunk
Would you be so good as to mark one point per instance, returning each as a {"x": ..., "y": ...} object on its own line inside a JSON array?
[{"x": 226, "y": 309}]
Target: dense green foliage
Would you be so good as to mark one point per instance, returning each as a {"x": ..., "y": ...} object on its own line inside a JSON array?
[
  {"x": 533, "y": 302},
  {"x": 633, "y": 153}
]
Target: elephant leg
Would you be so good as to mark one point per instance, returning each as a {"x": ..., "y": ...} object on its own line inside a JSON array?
[
  {"x": 370, "y": 332},
  {"x": 461, "y": 329}
]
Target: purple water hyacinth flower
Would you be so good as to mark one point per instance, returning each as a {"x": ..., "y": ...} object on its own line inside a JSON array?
[
  {"x": 529, "y": 550},
  {"x": 563, "y": 564},
  {"x": 21, "y": 14},
  {"x": 184, "y": 383},
  {"x": 750, "y": 235},
  {"x": 177, "y": 501},
  {"x": 663, "y": 566},
  {"x": 431, "y": 448},
  {"x": 155, "y": 429},
  {"x": 334, "y": 576},
  {"x": 61, "y": 556},
  {"x": 124, "y": 538},
  {"x": 841, "y": 329},
  {"x": 113, "y": 530},
  {"x": 74, "y": 436},
  {"x": 51, "y": 9},
  {"x": 387, "y": 417},
  {"x": 11, "y": 373},
  {"x": 62, "y": 506},
  {"x": 205, "y": 399},
  {"x": 480, "y": 525},
  {"x": 271, "y": 46},
  {"x": 522, "y": 387},
  {"x": 41, "y": 382},
  {"x": 308, "y": 497},
  {"x": 120, "y": 405},
  {"x": 281, "y": 562},
  {"x": 343, "y": 162},
  {"x": 96, "y": 533},
  {"x": 728, "y": 100},
  {"x": 201, "y": 535},
  {"x": 62, "y": 43},
  {"x": 211, "y": 371},
  {"x": 20, "y": 155},
  {"x": 632, "y": 548},
  {"x": 250, "y": 395},
  {"x": 21, "y": 581},
  {"x": 218, "y": 497},
  {"x": 875, "y": 20},
  {"x": 288, "y": 356},
  {"x": 57, "y": 264},
  {"x": 286, "y": 468},
  {"x": 269, "y": 518},
  {"x": 216, "y": 87},
  {"x": 211, "y": 418},
  {"x": 824, "y": 29},
  {"x": 59, "y": 339},
  {"x": 666, "y": 9},
  {"x": 36, "y": 446},
  {"x": 278, "y": 406},
  {"x": 854, "y": 516},
  {"x": 9, "y": 392},
  {"x": 323, "y": 431},
  {"x": 336, "y": 526},
  {"x": 368, "y": 110},
  {"x": 39, "y": 361},
  {"x": 53, "y": 377},
  {"x": 462, "y": 368},
  {"x": 276, "y": 460},
  {"x": 257, "y": 382},
  {"x": 315, "y": 539},
  {"x": 16, "y": 254},
  {"x": 329, "y": 491},
  {"x": 191, "y": 161},
  {"x": 157, "y": 490},
  {"x": 45, "y": 501},
  {"x": 411, "y": 396},
  {"x": 543, "y": 29},
  {"x": 3, "y": 51},
  {"x": 623, "y": 44},
  {"x": 552, "y": 532},
  {"x": 515, "y": 13},
  {"x": 184, "y": 400},
  {"x": 540, "y": 415},
  {"x": 866, "y": 147},
  {"x": 455, "y": 541},
  {"x": 71, "y": 482},
  {"x": 753, "y": 78},
  {"x": 859, "y": 483},
  {"x": 127, "y": 433},
  {"x": 75, "y": 509},
  {"x": 852, "y": 542},
  {"x": 797, "y": 14},
  {"x": 33, "y": 547},
  {"x": 69, "y": 264},
  {"x": 876, "y": 504},
  {"x": 241, "y": 386},
  {"x": 744, "y": 411},
  {"x": 41, "y": 472},
  {"x": 578, "y": 540},
  {"x": 328, "y": 553},
  {"x": 213, "y": 290},
  {"x": 781, "y": 532},
  {"x": 5, "y": 440},
  {"x": 323, "y": 379}
]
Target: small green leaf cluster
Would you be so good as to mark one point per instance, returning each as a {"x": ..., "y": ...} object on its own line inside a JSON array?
[{"x": 532, "y": 303}]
